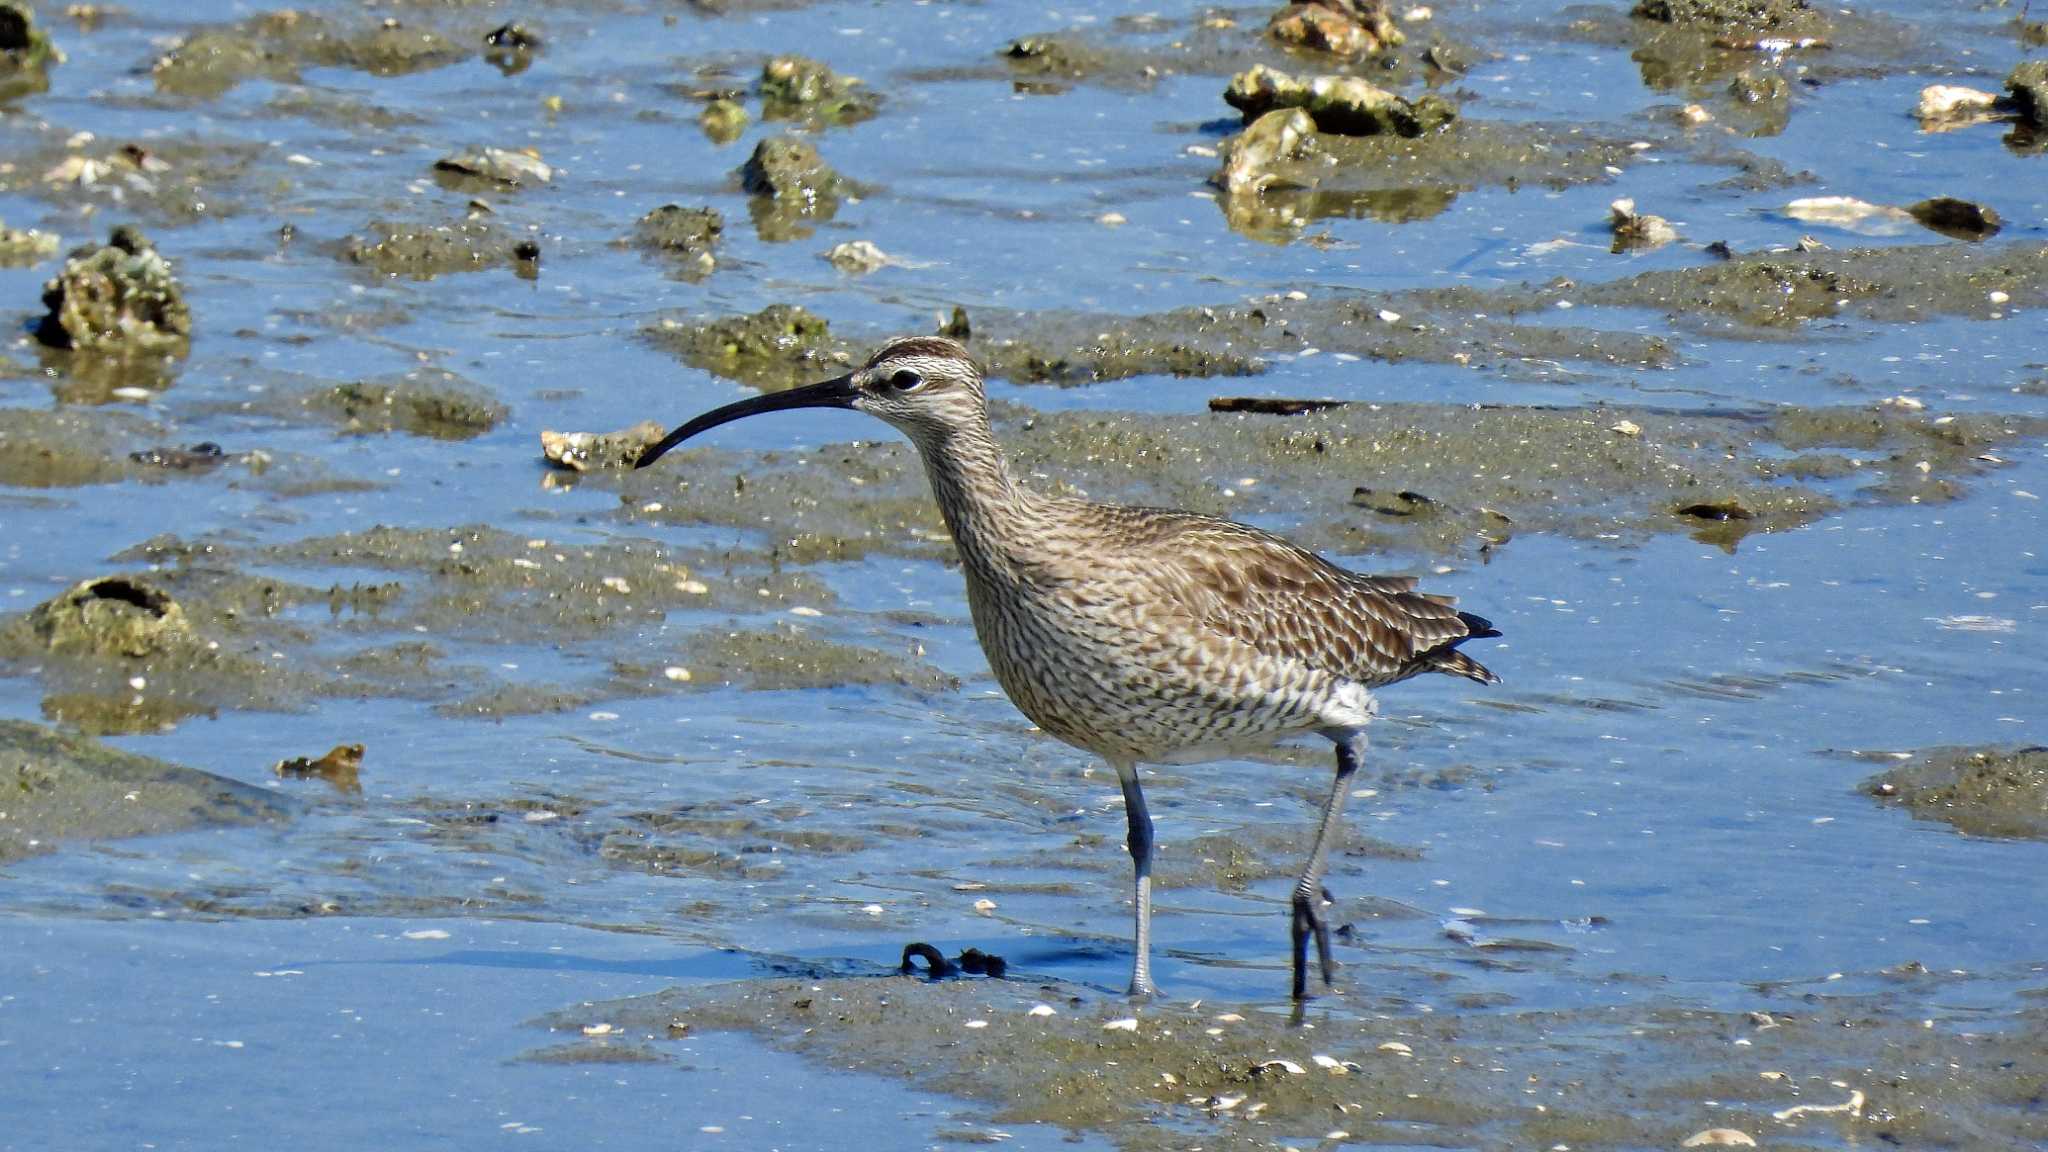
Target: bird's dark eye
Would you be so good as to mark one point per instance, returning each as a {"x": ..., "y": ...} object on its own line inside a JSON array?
[{"x": 905, "y": 380}]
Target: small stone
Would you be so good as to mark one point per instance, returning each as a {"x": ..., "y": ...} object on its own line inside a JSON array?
[
  {"x": 1633, "y": 229},
  {"x": 1111, "y": 219},
  {"x": 858, "y": 257},
  {"x": 589, "y": 451},
  {"x": 1250, "y": 157},
  {"x": 597, "y": 1029},
  {"x": 1695, "y": 114},
  {"x": 984, "y": 906},
  {"x": 1397, "y": 1048},
  {"x": 1042, "y": 1010},
  {"x": 724, "y": 121},
  {"x": 1626, "y": 428},
  {"x": 1944, "y": 102},
  {"x": 1849, "y": 213},
  {"x": 677, "y": 673},
  {"x": 1287, "y": 1066},
  {"x": 500, "y": 165},
  {"x": 1127, "y": 1024}
]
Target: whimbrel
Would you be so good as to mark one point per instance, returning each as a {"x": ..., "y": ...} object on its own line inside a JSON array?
[{"x": 1146, "y": 635}]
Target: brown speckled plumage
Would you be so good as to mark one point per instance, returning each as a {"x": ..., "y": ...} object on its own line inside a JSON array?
[{"x": 1147, "y": 635}]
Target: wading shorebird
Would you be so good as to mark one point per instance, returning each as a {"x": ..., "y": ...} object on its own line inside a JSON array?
[{"x": 1146, "y": 635}]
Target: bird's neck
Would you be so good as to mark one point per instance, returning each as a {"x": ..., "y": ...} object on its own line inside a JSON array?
[{"x": 987, "y": 512}]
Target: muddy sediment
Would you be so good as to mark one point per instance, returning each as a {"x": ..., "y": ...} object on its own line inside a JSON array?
[
  {"x": 1432, "y": 478},
  {"x": 59, "y": 788},
  {"x": 434, "y": 403},
  {"x": 280, "y": 45},
  {"x": 1410, "y": 173},
  {"x": 67, "y": 447},
  {"x": 121, "y": 653},
  {"x": 790, "y": 656},
  {"x": 203, "y": 632},
  {"x": 1512, "y": 330},
  {"x": 1159, "y": 1075},
  {"x": 1999, "y": 792}
]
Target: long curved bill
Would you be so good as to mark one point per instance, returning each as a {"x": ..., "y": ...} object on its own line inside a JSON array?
[{"x": 837, "y": 392}]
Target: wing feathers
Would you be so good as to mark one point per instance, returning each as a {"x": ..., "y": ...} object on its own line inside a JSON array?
[{"x": 1282, "y": 601}]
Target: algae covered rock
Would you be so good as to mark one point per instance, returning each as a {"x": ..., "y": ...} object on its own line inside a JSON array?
[
  {"x": 1633, "y": 229},
  {"x": 117, "y": 299},
  {"x": 1340, "y": 27},
  {"x": 1344, "y": 105},
  {"x": 689, "y": 234},
  {"x": 1779, "y": 16},
  {"x": 792, "y": 188},
  {"x": 781, "y": 346},
  {"x": 423, "y": 251},
  {"x": 2027, "y": 90},
  {"x": 723, "y": 121},
  {"x": 279, "y": 45},
  {"x": 800, "y": 88},
  {"x": 25, "y": 52},
  {"x": 113, "y": 616},
  {"x": 19, "y": 247}
]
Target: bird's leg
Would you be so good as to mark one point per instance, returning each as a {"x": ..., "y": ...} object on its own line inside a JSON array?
[
  {"x": 1141, "y": 866},
  {"x": 1308, "y": 891}
]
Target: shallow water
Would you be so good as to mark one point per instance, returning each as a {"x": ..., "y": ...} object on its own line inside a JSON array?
[{"x": 1656, "y": 808}]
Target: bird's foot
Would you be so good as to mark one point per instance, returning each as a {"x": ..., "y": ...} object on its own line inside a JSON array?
[
  {"x": 1143, "y": 991},
  {"x": 1309, "y": 923}
]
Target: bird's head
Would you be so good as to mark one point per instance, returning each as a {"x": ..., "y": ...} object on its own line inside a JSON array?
[{"x": 924, "y": 386}]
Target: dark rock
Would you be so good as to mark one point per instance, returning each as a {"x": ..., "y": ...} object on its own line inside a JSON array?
[{"x": 1958, "y": 218}]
